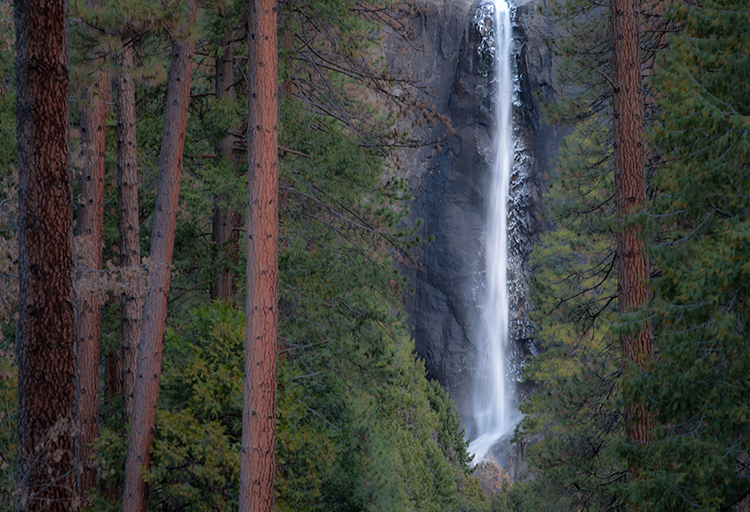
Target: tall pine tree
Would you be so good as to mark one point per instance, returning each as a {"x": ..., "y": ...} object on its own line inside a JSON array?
[
  {"x": 150, "y": 348},
  {"x": 259, "y": 388},
  {"x": 699, "y": 386},
  {"x": 45, "y": 335}
]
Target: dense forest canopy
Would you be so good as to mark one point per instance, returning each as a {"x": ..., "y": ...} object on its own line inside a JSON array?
[
  {"x": 692, "y": 392},
  {"x": 358, "y": 425},
  {"x": 642, "y": 383}
]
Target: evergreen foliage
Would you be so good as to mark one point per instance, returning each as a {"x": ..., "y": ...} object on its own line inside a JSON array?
[
  {"x": 359, "y": 426},
  {"x": 575, "y": 413},
  {"x": 573, "y": 419},
  {"x": 698, "y": 385}
]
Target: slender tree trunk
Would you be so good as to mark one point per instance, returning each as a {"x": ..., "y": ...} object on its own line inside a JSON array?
[
  {"x": 146, "y": 393},
  {"x": 226, "y": 221},
  {"x": 46, "y": 321},
  {"x": 113, "y": 372},
  {"x": 225, "y": 90},
  {"x": 114, "y": 388},
  {"x": 131, "y": 302},
  {"x": 90, "y": 225},
  {"x": 259, "y": 387},
  {"x": 121, "y": 363},
  {"x": 630, "y": 195}
]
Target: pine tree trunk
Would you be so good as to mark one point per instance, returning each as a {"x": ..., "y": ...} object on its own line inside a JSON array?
[
  {"x": 46, "y": 321},
  {"x": 131, "y": 302},
  {"x": 259, "y": 387},
  {"x": 226, "y": 221},
  {"x": 146, "y": 392},
  {"x": 630, "y": 195},
  {"x": 113, "y": 372},
  {"x": 114, "y": 389},
  {"x": 90, "y": 225}
]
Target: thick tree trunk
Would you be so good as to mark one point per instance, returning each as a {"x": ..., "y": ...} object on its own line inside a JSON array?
[
  {"x": 259, "y": 387},
  {"x": 46, "y": 321},
  {"x": 148, "y": 373},
  {"x": 630, "y": 195},
  {"x": 90, "y": 225},
  {"x": 226, "y": 221},
  {"x": 131, "y": 302}
]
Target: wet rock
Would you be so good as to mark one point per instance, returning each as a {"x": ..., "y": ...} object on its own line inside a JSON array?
[{"x": 449, "y": 179}]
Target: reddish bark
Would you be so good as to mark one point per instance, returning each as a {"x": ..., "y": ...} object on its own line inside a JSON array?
[
  {"x": 259, "y": 387},
  {"x": 630, "y": 195},
  {"x": 131, "y": 302},
  {"x": 90, "y": 226},
  {"x": 148, "y": 367},
  {"x": 45, "y": 337}
]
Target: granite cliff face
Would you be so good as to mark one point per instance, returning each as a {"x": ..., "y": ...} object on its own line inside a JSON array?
[{"x": 450, "y": 177}]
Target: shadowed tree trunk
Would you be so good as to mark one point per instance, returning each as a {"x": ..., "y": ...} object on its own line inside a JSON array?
[
  {"x": 46, "y": 322},
  {"x": 148, "y": 367},
  {"x": 226, "y": 221},
  {"x": 121, "y": 363},
  {"x": 90, "y": 225},
  {"x": 113, "y": 372},
  {"x": 630, "y": 196},
  {"x": 259, "y": 387},
  {"x": 131, "y": 302}
]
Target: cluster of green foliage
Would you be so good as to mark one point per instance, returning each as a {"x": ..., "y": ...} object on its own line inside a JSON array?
[
  {"x": 359, "y": 426},
  {"x": 697, "y": 385},
  {"x": 575, "y": 412},
  {"x": 573, "y": 419}
]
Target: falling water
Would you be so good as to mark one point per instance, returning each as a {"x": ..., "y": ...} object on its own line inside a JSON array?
[{"x": 494, "y": 410}]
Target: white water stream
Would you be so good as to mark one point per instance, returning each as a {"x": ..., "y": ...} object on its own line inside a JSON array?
[{"x": 495, "y": 413}]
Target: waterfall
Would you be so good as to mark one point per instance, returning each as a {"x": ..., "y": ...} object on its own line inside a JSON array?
[{"x": 494, "y": 411}]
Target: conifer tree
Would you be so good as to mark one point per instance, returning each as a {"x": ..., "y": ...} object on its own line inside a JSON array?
[
  {"x": 576, "y": 413},
  {"x": 591, "y": 273},
  {"x": 45, "y": 335},
  {"x": 131, "y": 303},
  {"x": 630, "y": 198},
  {"x": 94, "y": 89},
  {"x": 90, "y": 224},
  {"x": 259, "y": 388},
  {"x": 698, "y": 387},
  {"x": 150, "y": 349},
  {"x": 226, "y": 221}
]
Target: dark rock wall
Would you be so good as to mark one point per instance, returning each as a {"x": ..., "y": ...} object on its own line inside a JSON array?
[{"x": 449, "y": 178}]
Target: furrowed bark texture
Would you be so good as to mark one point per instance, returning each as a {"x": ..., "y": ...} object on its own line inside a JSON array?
[
  {"x": 226, "y": 221},
  {"x": 630, "y": 195},
  {"x": 148, "y": 367},
  {"x": 89, "y": 229},
  {"x": 46, "y": 321},
  {"x": 259, "y": 387},
  {"x": 131, "y": 302}
]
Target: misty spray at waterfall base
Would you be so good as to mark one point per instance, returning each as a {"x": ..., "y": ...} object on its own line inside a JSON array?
[{"x": 495, "y": 411}]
